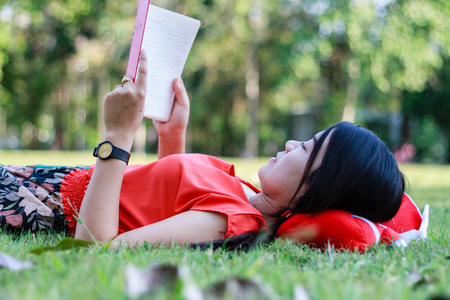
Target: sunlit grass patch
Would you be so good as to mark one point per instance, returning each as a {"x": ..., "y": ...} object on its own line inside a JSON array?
[{"x": 421, "y": 271}]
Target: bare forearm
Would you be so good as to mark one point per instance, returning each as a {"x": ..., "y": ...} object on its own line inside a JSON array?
[
  {"x": 172, "y": 144},
  {"x": 172, "y": 134},
  {"x": 122, "y": 116},
  {"x": 99, "y": 211},
  {"x": 184, "y": 228}
]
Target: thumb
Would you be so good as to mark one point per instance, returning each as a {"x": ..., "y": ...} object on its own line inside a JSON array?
[
  {"x": 141, "y": 81},
  {"x": 182, "y": 97}
]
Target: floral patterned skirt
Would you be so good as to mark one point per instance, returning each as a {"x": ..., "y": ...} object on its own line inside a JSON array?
[{"x": 30, "y": 197}]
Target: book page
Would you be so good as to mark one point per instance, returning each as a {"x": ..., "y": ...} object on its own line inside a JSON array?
[{"x": 168, "y": 38}]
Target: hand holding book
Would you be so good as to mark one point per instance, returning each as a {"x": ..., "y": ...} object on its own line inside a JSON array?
[
  {"x": 172, "y": 134},
  {"x": 167, "y": 38},
  {"x": 123, "y": 109}
]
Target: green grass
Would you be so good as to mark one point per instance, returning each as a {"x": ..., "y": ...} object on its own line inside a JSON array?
[{"x": 381, "y": 273}]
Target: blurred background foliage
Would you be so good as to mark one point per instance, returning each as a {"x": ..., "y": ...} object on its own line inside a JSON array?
[{"x": 258, "y": 70}]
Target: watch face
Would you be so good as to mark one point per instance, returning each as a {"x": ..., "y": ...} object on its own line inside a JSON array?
[{"x": 104, "y": 150}]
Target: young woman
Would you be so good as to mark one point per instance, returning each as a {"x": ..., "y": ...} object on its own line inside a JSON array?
[{"x": 194, "y": 198}]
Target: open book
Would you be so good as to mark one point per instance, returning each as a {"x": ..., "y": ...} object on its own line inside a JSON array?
[{"x": 167, "y": 37}]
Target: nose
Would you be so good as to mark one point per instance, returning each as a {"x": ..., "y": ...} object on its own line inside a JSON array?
[{"x": 291, "y": 145}]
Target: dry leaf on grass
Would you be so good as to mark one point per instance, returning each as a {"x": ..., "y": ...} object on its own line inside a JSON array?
[
  {"x": 417, "y": 278},
  {"x": 150, "y": 281},
  {"x": 9, "y": 262},
  {"x": 300, "y": 293},
  {"x": 178, "y": 281},
  {"x": 240, "y": 288}
]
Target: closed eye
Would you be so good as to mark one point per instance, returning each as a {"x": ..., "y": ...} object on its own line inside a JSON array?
[{"x": 303, "y": 146}]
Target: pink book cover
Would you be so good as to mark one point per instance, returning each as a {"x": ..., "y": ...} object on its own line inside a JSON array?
[
  {"x": 167, "y": 45},
  {"x": 138, "y": 35}
]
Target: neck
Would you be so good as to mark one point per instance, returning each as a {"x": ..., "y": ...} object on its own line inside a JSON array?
[{"x": 266, "y": 207}]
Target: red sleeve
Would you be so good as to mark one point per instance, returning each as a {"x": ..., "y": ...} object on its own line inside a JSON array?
[
  {"x": 180, "y": 183},
  {"x": 241, "y": 216}
]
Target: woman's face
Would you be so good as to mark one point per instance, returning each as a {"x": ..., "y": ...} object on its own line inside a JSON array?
[{"x": 280, "y": 177}]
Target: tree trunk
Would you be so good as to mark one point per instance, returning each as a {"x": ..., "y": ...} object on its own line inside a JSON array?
[
  {"x": 103, "y": 89},
  {"x": 349, "y": 113},
  {"x": 2, "y": 122},
  {"x": 60, "y": 103},
  {"x": 252, "y": 89},
  {"x": 140, "y": 138},
  {"x": 252, "y": 95}
]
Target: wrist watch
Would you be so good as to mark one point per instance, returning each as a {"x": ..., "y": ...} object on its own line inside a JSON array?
[{"x": 106, "y": 150}]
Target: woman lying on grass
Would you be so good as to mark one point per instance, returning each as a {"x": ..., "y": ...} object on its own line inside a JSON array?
[{"x": 194, "y": 198}]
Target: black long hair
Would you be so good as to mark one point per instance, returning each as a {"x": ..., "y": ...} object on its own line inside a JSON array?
[{"x": 358, "y": 174}]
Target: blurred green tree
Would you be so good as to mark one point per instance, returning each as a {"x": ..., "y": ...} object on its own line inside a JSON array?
[
  {"x": 254, "y": 65},
  {"x": 55, "y": 56}
]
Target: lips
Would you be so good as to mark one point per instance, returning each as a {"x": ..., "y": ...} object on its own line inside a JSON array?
[{"x": 276, "y": 158}]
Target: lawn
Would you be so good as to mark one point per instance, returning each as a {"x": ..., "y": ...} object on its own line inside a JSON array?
[{"x": 421, "y": 271}]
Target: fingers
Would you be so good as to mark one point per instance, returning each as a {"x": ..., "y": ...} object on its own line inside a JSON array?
[
  {"x": 181, "y": 95},
  {"x": 125, "y": 79},
  {"x": 141, "y": 80}
]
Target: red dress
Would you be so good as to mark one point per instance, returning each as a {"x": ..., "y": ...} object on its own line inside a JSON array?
[{"x": 175, "y": 184}]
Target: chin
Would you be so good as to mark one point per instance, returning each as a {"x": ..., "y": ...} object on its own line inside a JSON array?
[{"x": 261, "y": 173}]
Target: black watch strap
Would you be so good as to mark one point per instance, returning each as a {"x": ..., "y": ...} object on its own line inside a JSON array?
[{"x": 106, "y": 150}]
